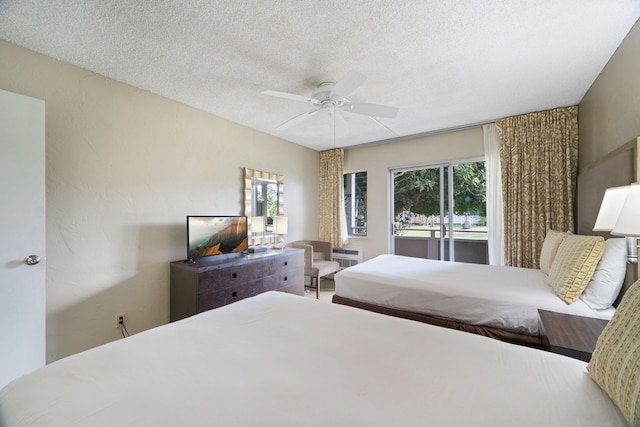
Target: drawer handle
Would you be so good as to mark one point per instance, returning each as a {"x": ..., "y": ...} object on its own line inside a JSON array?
[
  {"x": 285, "y": 278},
  {"x": 234, "y": 275},
  {"x": 286, "y": 263},
  {"x": 234, "y": 294}
]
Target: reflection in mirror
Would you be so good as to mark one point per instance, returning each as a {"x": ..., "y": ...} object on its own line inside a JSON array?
[{"x": 264, "y": 197}]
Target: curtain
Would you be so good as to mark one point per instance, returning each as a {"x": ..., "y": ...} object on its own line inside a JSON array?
[
  {"x": 332, "y": 216},
  {"x": 539, "y": 162},
  {"x": 495, "y": 244}
]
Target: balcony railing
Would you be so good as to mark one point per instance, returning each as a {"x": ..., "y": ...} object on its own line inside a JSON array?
[{"x": 469, "y": 246}]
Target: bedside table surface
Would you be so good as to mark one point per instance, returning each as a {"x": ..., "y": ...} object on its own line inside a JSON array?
[{"x": 572, "y": 335}]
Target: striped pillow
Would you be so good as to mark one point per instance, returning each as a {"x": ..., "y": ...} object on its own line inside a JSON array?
[
  {"x": 574, "y": 264},
  {"x": 615, "y": 363},
  {"x": 552, "y": 241}
]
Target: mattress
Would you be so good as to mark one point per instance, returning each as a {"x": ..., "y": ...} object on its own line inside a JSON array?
[
  {"x": 283, "y": 360},
  {"x": 502, "y": 297}
]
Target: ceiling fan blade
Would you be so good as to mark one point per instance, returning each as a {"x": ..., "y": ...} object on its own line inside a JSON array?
[
  {"x": 347, "y": 84},
  {"x": 287, "y": 95},
  {"x": 384, "y": 126},
  {"x": 298, "y": 119},
  {"x": 375, "y": 110}
]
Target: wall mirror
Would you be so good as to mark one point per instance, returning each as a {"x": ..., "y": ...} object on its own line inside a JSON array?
[{"x": 263, "y": 195}]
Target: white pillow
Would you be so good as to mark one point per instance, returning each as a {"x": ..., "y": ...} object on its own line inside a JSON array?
[{"x": 606, "y": 282}]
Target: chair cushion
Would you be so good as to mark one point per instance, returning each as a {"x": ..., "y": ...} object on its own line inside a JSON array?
[
  {"x": 326, "y": 267},
  {"x": 318, "y": 256}
]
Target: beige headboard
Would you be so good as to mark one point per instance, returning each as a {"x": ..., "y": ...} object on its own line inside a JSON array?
[{"x": 620, "y": 167}]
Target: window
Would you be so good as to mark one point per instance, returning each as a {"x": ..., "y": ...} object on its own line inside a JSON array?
[{"x": 355, "y": 203}]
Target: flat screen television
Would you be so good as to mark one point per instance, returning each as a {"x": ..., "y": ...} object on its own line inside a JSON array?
[{"x": 215, "y": 235}]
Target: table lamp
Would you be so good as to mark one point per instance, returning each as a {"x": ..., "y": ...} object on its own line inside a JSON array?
[
  {"x": 619, "y": 213},
  {"x": 280, "y": 228},
  {"x": 257, "y": 226}
]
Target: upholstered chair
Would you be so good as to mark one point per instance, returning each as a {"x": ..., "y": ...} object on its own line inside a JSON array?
[{"x": 317, "y": 260}]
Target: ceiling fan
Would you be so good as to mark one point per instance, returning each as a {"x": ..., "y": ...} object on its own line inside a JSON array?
[{"x": 332, "y": 97}]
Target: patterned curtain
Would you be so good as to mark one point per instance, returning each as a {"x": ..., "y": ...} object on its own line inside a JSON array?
[
  {"x": 331, "y": 196},
  {"x": 539, "y": 163}
]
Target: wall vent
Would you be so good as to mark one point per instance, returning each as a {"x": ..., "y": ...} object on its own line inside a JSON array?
[{"x": 347, "y": 257}]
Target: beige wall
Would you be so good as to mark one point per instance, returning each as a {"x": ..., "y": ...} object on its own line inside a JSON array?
[
  {"x": 609, "y": 113},
  {"x": 376, "y": 160},
  {"x": 124, "y": 168}
]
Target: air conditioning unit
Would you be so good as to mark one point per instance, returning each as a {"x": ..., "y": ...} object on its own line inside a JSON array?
[{"x": 347, "y": 257}]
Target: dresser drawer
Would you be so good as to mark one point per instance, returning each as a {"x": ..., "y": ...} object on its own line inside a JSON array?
[
  {"x": 213, "y": 300},
  {"x": 294, "y": 283},
  {"x": 275, "y": 282},
  {"x": 216, "y": 280},
  {"x": 230, "y": 295},
  {"x": 273, "y": 265}
]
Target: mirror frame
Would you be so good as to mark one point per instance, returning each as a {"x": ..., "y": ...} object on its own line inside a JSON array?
[{"x": 250, "y": 175}]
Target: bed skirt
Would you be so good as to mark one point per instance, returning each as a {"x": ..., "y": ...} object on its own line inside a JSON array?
[{"x": 487, "y": 331}]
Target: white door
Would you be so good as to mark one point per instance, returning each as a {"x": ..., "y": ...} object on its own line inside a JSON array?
[{"x": 22, "y": 233}]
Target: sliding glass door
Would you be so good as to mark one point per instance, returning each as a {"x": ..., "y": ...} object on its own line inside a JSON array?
[
  {"x": 420, "y": 205},
  {"x": 439, "y": 212}
]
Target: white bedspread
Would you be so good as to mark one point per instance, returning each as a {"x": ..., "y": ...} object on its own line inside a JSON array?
[
  {"x": 477, "y": 294},
  {"x": 283, "y": 360}
]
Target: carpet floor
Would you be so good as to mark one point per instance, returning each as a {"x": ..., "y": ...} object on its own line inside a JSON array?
[{"x": 327, "y": 289}]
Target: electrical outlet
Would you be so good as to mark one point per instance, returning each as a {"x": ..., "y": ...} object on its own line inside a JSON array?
[{"x": 121, "y": 318}]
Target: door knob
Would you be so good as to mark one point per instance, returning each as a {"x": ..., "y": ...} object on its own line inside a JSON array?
[{"x": 32, "y": 260}]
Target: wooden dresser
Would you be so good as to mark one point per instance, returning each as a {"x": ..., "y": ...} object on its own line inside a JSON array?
[{"x": 212, "y": 282}]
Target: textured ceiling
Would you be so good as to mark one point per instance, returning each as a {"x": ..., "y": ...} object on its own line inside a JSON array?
[{"x": 444, "y": 64}]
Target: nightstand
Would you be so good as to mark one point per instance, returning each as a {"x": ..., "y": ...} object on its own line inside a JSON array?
[{"x": 571, "y": 335}]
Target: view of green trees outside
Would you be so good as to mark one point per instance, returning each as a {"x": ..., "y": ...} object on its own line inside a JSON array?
[
  {"x": 265, "y": 197},
  {"x": 417, "y": 201},
  {"x": 355, "y": 202}
]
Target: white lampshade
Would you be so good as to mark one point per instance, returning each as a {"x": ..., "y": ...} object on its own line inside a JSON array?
[
  {"x": 628, "y": 223},
  {"x": 257, "y": 224},
  {"x": 610, "y": 208},
  {"x": 280, "y": 225}
]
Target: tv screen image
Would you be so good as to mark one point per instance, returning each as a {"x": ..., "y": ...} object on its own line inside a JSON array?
[{"x": 215, "y": 235}]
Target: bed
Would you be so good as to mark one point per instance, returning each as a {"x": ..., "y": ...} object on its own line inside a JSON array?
[
  {"x": 283, "y": 360},
  {"x": 500, "y": 302}
]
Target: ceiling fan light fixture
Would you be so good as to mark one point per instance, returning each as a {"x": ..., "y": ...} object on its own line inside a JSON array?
[{"x": 323, "y": 91}]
